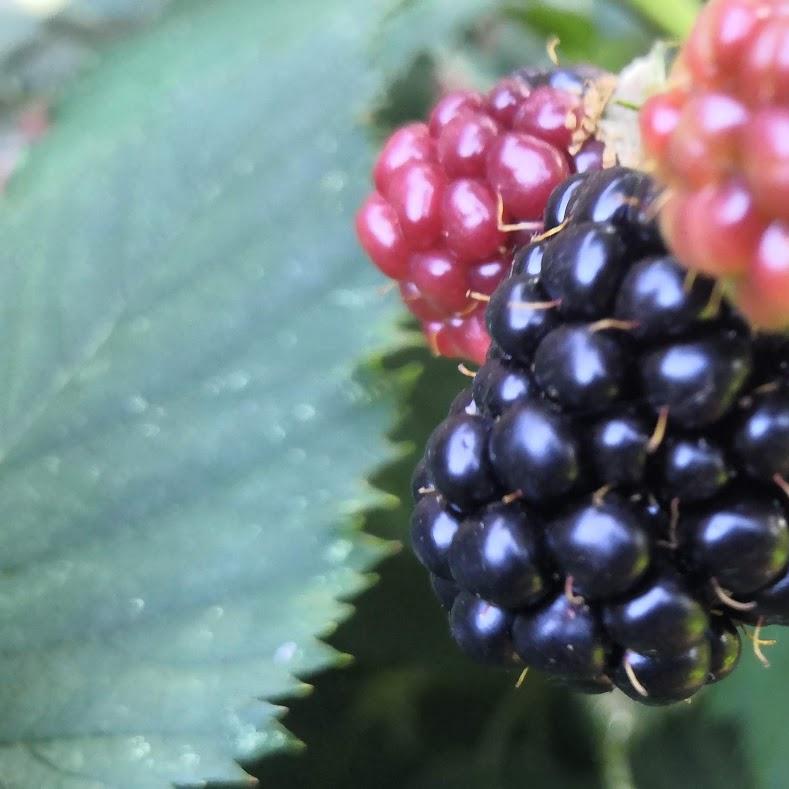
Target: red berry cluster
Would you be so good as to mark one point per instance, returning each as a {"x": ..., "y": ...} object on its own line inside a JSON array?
[
  {"x": 450, "y": 192},
  {"x": 720, "y": 138}
]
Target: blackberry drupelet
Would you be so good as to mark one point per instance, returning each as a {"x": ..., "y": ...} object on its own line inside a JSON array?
[
  {"x": 454, "y": 196},
  {"x": 608, "y": 501},
  {"x": 717, "y": 137}
]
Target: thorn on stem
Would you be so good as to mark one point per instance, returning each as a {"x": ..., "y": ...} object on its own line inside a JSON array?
[
  {"x": 551, "y": 46},
  {"x": 631, "y": 675},
  {"x": 477, "y": 296},
  {"x": 659, "y": 433},
  {"x": 573, "y": 598},
  {"x": 552, "y": 232},
  {"x": 782, "y": 483},
  {"x": 516, "y": 227},
  {"x": 690, "y": 280},
  {"x": 598, "y": 497},
  {"x": 716, "y": 299},
  {"x": 612, "y": 323},
  {"x": 536, "y": 305},
  {"x": 759, "y": 642},
  {"x": 725, "y": 597}
]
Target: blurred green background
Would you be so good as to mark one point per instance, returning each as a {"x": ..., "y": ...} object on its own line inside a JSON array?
[{"x": 127, "y": 109}]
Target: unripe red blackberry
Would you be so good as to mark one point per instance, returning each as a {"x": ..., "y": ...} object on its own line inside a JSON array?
[
  {"x": 449, "y": 191},
  {"x": 719, "y": 137},
  {"x": 610, "y": 498}
]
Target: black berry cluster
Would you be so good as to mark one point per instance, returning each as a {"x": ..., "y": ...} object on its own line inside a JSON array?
[{"x": 608, "y": 501}]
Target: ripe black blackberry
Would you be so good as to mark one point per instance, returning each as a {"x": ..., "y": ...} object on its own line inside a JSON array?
[{"x": 608, "y": 501}]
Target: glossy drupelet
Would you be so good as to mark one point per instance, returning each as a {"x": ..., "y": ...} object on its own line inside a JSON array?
[
  {"x": 719, "y": 139},
  {"x": 432, "y": 223},
  {"x": 608, "y": 500}
]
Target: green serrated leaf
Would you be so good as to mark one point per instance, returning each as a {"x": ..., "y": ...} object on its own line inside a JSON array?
[{"x": 183, "y": 307}]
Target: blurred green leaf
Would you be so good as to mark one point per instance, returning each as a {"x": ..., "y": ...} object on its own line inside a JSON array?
[
  {"x": 421, "y": 26},
  {"x": 571, "y": 27},
  {"x": 686, "y": 746},
  {"x": 40, "y": 53},
  {"x": 674, "y": 17},
  {"x": 755, "y": 699},
  {"x": 101, "y": 13},
  {"x": 408, "y": 97},
  {"x": 16, "y": 30},
  {"x": 182, "y": 438},
  {"x": 603, "y": 34}
]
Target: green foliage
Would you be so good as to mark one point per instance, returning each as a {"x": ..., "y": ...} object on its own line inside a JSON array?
[
  {"x": 40, "y": 53},
  {"x": 190, "y": 413},
  {"x": 610, "y": 38},
  {"x": 182, "y": 436},
  {"x": 754, "y": 700},
  {"x": 687, "y": 747},
  {"x": 673, "y": 17}
]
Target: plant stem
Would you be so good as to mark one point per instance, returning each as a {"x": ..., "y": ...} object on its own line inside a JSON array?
[
  {"x": 615, "y": 721},
  {"x": 674, "y": 17}
]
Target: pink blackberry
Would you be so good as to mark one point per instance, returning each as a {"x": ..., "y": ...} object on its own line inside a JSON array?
[
  {"x": 454, "y": 196},
  {"x": 719, "y": 136}
]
